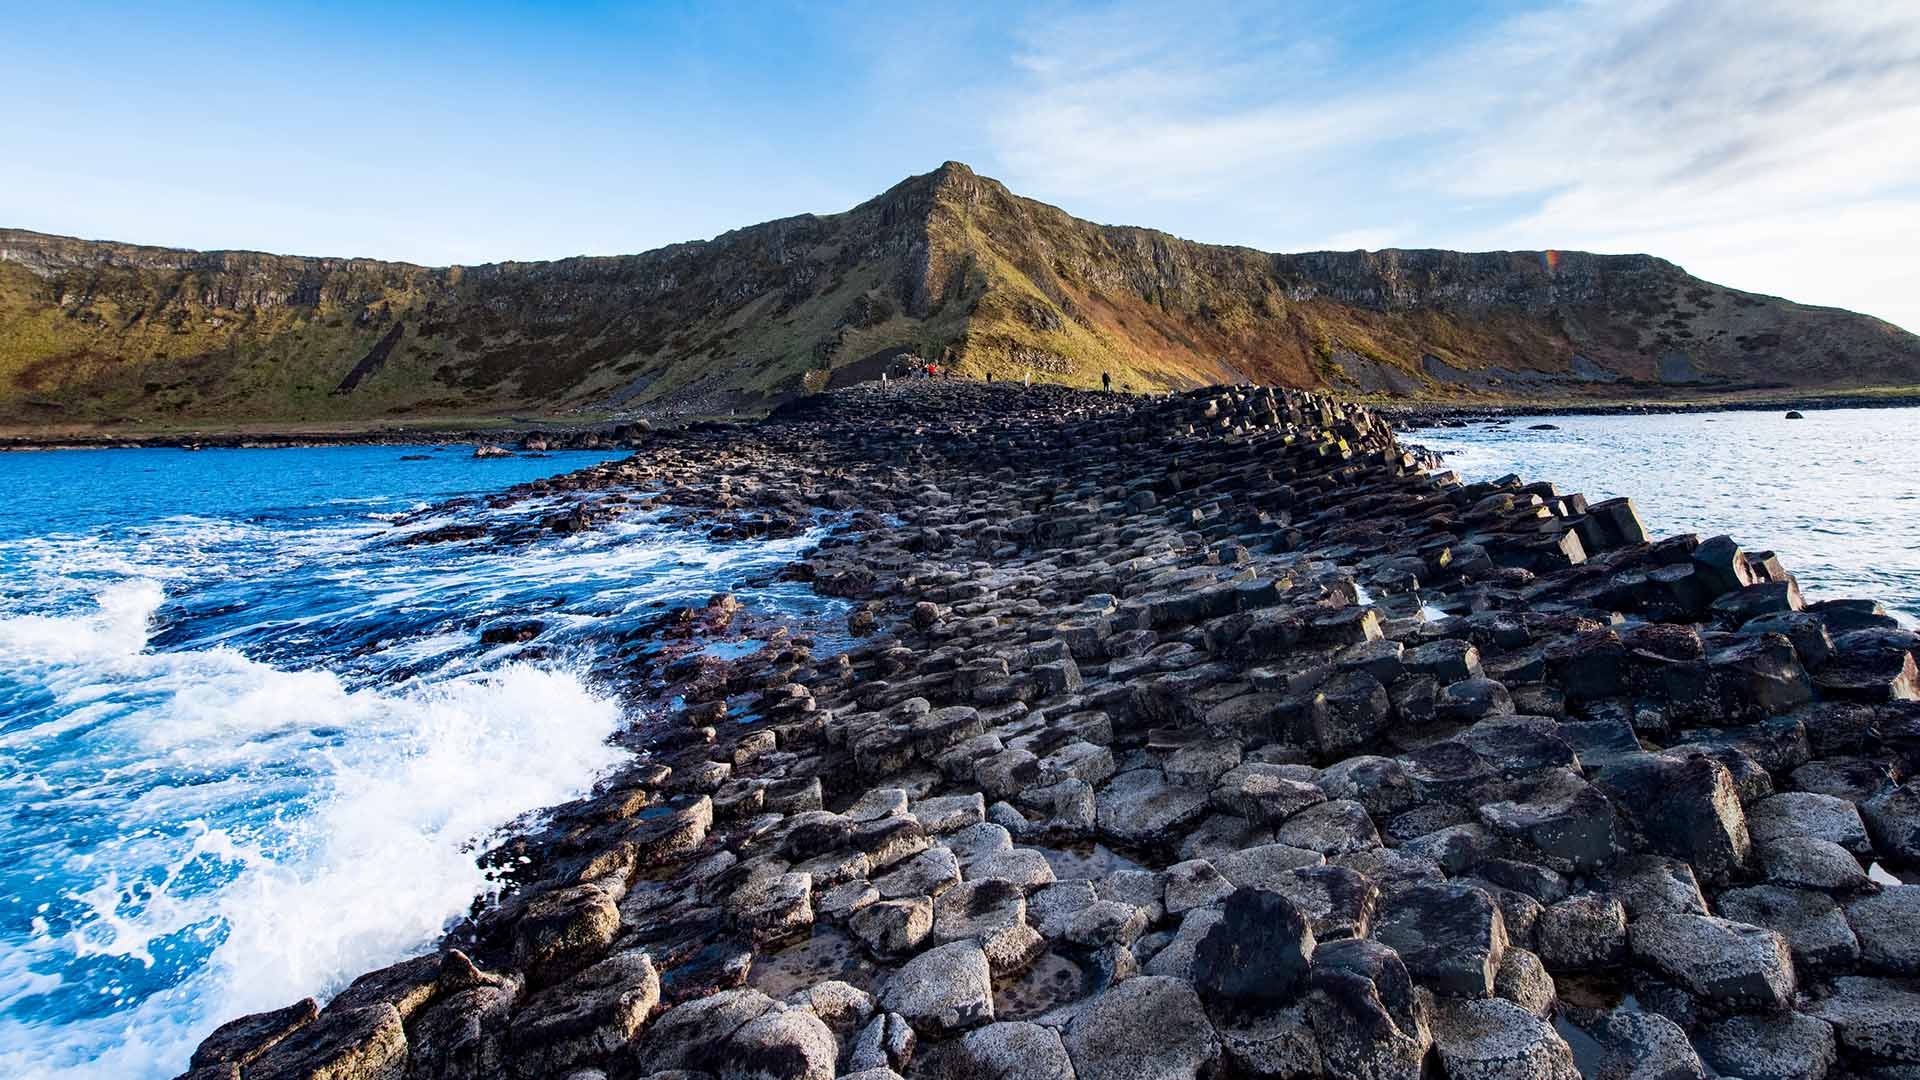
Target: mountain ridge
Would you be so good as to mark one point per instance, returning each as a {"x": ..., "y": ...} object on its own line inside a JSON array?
[{"x": 947, "y": 265}]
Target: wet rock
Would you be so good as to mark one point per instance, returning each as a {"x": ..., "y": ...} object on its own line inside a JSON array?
[
  {"x": 238, "y": 1042},
  {"x": 587, "y": 1018},
  {"x": 1450, "y": 937},
  {"x": 942, "y": 990},
  {"x": 1789, "y": 1046},
  {"x": 741, "y": 1033},
  {"x": 1258, "y": 956},
  {"x": 1727, "y": 962},
  {"x": 1366, "y": 1016},
  {"x": 1148, "y": 1028},
  {"x": 367, "y": 1043},
  {"x": 1498, "y": 1040},
  {"x": 563, "y": 930},
  {"x": 1637, "y": 1044}
]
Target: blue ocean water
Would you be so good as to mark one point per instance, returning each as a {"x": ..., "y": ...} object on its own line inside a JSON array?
[
  {"x": 1836, "y": 494},
  {"x": 249, "y": 745}
]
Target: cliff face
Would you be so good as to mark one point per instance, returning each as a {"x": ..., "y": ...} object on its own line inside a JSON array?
[{"x": 945, "y": 264}]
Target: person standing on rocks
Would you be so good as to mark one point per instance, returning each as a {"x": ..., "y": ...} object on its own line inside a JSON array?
[{"x": 1106, "y": 381}]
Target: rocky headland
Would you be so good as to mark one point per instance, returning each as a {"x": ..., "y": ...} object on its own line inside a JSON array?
[{"x": 1211, "y": 735}]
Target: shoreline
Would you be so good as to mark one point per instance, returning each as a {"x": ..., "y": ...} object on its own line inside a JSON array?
[
  {"x": 1218, "y": 732},
  {"x": 1409, "y": 413}
]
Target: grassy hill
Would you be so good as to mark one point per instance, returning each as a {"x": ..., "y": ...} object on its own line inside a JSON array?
[{"x": 945, "y": 265}]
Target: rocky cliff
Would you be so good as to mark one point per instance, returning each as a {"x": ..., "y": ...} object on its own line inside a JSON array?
[{"x": 948, "y": 264}]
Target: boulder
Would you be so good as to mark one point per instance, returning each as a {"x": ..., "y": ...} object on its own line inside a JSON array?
[
  {"x": 367, "y": 1043},
  {"x": 1366, "y": 1016},
  {"x": 741, "y": 1033},
  {"x": 1498, "y": 1040},
  {"x": 1684, "y": 806},
  {"x": 1141, "y": 807},
  {"x": 1815, "y": 927},
  {"x": 1887, "y": 926},
  {"x": 1150, "y": 1027},
  {"x": 1788, "y": 1046},
  {"x": 1258, "y": 956},
  {"x": 588, "y": 1017},
  {"x": 1008, "y": 1050},
  {"x": 1582, "y": 932},
  {"x": 1875, "y": 1018},
  {"x": 1450, "y": 937},
  {"x": 943, "y": 990},
  {"x": 1725, "y": 962}
]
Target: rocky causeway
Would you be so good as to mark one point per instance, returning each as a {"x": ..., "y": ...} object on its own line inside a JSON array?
[{"x": 1213, "y": 735}]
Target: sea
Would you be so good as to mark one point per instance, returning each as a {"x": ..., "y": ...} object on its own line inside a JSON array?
[
  {"x": 1835, "y": 494},
  {"x": 250, "y": 743}
]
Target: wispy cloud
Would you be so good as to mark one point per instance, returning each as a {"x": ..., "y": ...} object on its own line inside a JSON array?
[{"x": 1767, "y": 145}]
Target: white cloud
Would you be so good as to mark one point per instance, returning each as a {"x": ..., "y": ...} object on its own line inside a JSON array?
[{"x": 1767, "y": 145}]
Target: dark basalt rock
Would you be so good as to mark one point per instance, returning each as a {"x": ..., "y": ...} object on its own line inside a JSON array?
[
  {"x": 1450, "y": 937},
  {"x": 1123, "y": 778},
  {"x": 1683, "y": 806},
  {"x": 1258, "y": 956}
]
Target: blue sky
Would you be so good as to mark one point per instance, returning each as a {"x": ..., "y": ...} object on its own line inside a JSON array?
[{"x": 1768, "y": 146}]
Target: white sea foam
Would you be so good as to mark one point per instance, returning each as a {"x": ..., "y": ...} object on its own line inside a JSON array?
[{"x": 376, "y": 798}]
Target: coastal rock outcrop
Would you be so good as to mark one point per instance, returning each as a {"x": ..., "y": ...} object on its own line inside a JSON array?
[{"x": 1211, "y": 734}]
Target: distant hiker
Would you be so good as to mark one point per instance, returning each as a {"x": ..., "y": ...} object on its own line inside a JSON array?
[
  {"x": 989, "y": 378},
  {"x": 1106, "y": 382},
  {"x": 933, "y": 371},
  {"x": 1028, "y": 379}
]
